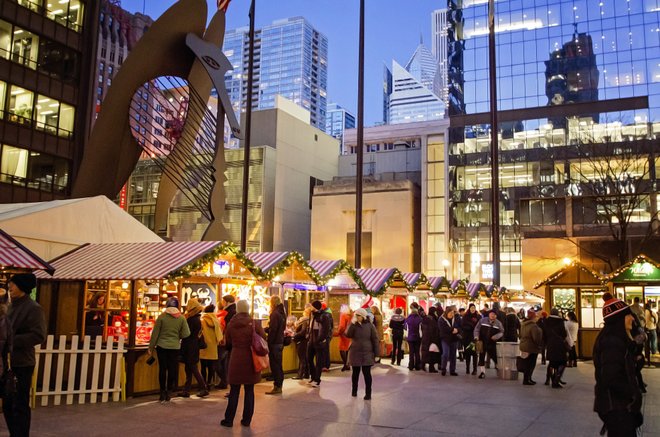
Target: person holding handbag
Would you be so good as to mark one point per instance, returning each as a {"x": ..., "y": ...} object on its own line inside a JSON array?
[{"x": 238, "y": 338}]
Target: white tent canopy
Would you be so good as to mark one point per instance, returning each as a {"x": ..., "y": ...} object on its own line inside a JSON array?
[{"x": 50, "y": 229}]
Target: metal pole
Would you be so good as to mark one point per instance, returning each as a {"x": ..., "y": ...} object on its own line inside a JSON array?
[
  {"x": 494, "y": 146},
  {"x": 248, "y": 124},
  {"x": 360, "y": 144}
]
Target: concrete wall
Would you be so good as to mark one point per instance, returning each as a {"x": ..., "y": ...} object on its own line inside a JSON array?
[{"x": 389, "y": 214}]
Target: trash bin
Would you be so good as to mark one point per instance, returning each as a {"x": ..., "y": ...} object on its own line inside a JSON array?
[{"x": 507, "y": 352}]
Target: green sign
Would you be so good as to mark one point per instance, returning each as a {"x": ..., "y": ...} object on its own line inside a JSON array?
[{"x": 639, "y": 272}]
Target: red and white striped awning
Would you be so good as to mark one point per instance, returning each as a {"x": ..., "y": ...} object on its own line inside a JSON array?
[
  {"x": 374, "y": 279},
  {"x": 129, "y": 260},
  {"x": 14, "y": 255},
  {"x": 324, "y": 268},
  {"x": 266, "y": 260}
]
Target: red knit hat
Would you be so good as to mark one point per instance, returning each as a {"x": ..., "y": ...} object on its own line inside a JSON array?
[{"x": 613, "y": 308}]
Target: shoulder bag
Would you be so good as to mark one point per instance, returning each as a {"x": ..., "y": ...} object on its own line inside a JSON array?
[
  {"x": 259, "y": 352},
  {"x": 201, "y": 341}
]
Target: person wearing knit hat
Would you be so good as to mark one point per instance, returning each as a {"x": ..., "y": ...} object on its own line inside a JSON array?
[
  {"x": 531, "y": 341},
  {"x": 618, "y": 395},
  {"x": 243, "y": 307},
  {"x": 28, "y": 325},
  {"x": 364, "y": 349},
  {"x": 190, "y": 349}
]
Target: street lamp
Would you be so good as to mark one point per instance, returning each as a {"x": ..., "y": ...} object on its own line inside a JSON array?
[
  {"x": 445, "y": 264},
  {"x": 567, "y": 261}
]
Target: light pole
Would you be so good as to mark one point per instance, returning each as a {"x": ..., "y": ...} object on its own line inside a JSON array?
[
  {"x": 360, "y": 144},
  {"x": 445, "y": 264}
]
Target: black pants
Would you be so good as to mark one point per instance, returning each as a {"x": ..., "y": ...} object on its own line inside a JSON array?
[
  {"x": 530, "y": 364},
  {"x": 490, "y": 349},
  {"x": 248, "y": 403},
  {"x": 414, "y": 361},
  {"x": 168, "y": 368},
  {"x": 620, "y": 423},
  {"x": 193, "y": 370},
  {"x": 222, "y": 364},
  {"x": 326, "y": 355},
  {"x": 17, "y": 409},
  {"x": 470, "y": 355},
  {"x": 355, "y": 377},
  {"x": 303, "y": 366},
  {"x": 397, "y": 349},
  {"x": 275, "y": 358},
  {"x": 315, "y": 360},
  {"x": 208, "y": 370}
]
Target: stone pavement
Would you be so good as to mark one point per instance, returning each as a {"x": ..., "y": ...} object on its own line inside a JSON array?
[{"x": 404, "y": 404}]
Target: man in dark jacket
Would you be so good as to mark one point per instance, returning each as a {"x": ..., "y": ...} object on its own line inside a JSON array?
[
  {"x": 396, "y": 326},
  {"x": 276, "y": 326},
  {"x": 412, "y": 324},
  {"x": 489, "y": 331},
  {"x": 319, "y": 329},
  {"x": 28, "y": 329}
]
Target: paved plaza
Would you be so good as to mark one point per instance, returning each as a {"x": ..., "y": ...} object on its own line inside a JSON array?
[{"x": 404, "y": 404}]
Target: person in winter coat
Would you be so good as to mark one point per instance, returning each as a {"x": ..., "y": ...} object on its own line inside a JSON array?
[
  {"x": 320, "y": 327},
  {"x": 541, "y": 323},
  {"x": 489, "y": 331},
  {"x": 412, "y": 324},
  {"x": 572, "y": 327},
  {"x": 301, "y": 330},
  {"x": 468, "y": 322},
  {"x": 618, "y": 400},
  {"x": 531, "y": 341},
  {"x": 449, "y": 332},
  {"x": 213, "y": 338},
  {"x": 28, "y": 330},
  {"x": 166, "y": 338},
  {"x": 396, "y": 328},
  {"x": 190, "y": 349},
  {"x": 556, "y": 342},
  {"x": 378, "y": 323},
  {"x": 238, "y": 337},
  {"x": 345, "y": 316},
  {"x": 5, "y": 331},
  {"x": 364, "y": 348},
  {"x": 511, "y": 326},
  {"x": 430, "y": 342},
  {"x": 228, "y": 312},
  {"x": 651, "y": 326},
  {"x": 275, "y": 330}
]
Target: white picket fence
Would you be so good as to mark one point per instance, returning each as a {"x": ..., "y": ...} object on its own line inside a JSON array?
[{"x": 107, "y": 362}]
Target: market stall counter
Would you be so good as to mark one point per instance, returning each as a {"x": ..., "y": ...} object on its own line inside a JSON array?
[{"x": 119, "y": 289}]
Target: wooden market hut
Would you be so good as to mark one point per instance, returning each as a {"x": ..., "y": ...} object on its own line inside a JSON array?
[
  {"x": 578, "y": 288},
  {"x": 135, "y": 280},
  {"x": 637, "y": 278}
]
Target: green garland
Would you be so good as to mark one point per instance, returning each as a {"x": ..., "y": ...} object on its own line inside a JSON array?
[
  {"x": 561, "y": 272},
  {"x": 641, "y": 258}
]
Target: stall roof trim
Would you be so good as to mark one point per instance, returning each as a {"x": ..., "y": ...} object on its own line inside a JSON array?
[
  {"x": 621, "y": 274},
  {"x": 561, "y": 272},
  {"x": 266, "y": 261},
  {"x": 14, "y": 255},
  {"x": 377, "y": 280},
  {"x": 130, "y": 260},
  {"x": 325, "y": 268},
  {"x": 438, "y": 282}
]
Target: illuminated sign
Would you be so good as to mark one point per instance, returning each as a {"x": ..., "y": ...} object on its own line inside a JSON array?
[
  {"x": 220, "y": 267},
  {"x": 487, "y": 271}
]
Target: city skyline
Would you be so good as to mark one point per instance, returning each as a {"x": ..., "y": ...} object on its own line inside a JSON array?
[{"x": 340, "y": 25}]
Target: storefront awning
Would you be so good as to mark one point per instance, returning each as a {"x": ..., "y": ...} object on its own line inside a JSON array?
[
  {"x": 265, "y": 261},
  {"x": 129, "y": 260},
  {"x": 13, "y": 255},
  {"x": 376, "y": 281},
  {"x": 289, "y": 267},
  {"x": 326, "y": 269},
  {"x": 438, "y": 282}
]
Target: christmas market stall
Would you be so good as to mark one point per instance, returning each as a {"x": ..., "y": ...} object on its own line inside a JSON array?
[
  {"x": 576, "y": 287},
  {"x": 342, "y": 285},
  {"x": 638, "y": 278},
  {"x": 288, "y": 275},
  {"x": 119, "y": 289}
]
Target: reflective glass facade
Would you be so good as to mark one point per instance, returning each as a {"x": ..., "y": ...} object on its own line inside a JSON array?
[
  {"x": 291, "y": 59},
  {"x": 578, "y": 88},
  {"x": 337, "y": 120}
]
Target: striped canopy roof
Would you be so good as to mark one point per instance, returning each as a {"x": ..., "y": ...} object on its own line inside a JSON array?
[
  {"x": 265, "y": 261},
  {"x": 375, "y": 279},
  {"x": 324, "y": 268},
  {"x": 474, "y": 288},
  {"x": 129, "y": 260},
  {"x": 437, "y": 281},
  {"x": 14, "y": 255}
]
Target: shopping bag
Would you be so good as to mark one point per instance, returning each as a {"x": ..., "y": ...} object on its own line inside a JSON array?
[
  {"x": 521, "y": 364},
  {"x": 260, "y": 362},
  {"x": 259, "y": 345}
]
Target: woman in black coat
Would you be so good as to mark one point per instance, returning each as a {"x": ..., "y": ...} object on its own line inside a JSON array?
[
  {"x": 468, "y": 322},
  {"x": 555, "y": 335},
  {"x": 430, "y": 336},
  {"x": 190, "y": 349},
  {"x": 618, "y": 396}
]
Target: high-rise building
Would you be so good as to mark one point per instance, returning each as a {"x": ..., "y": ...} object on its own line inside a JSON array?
[
  {"x": 46, "y": 62},
  {"x": 337, "y": 120},
  {"x": 439, "y": 50},
  {"x": 578, "y": 92},
  {"x": 290, "y": 59},
  {"x": 411, "y": 98}
]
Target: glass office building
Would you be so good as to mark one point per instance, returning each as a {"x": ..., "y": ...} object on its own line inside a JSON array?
[
  {"x": 337, "y": 120},
  {"x": 578, "y": 87},
  {"x": 291, "y": 59}
]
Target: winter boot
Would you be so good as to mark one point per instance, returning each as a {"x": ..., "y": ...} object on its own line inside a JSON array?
[
  {"x": 344, "y": 359},
  {"x": 549, "y": 375}
]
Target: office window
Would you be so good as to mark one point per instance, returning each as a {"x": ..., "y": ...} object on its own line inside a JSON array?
[
  {"x": 5, "y": 39},
  {"x": 46, "y": 113},
  {"x": 3, "y": 93},
  {"x": 20, "y": 105},
  {"x": 66, "y": 119},
  {"x": 13, "y": 163},
  {"x": 25, "y": 48}
]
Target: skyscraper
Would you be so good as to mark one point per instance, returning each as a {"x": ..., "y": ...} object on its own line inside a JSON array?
[
  {"x": 291, "y": 59},
  {"x": 337, "y": 120},
  {"x": 439, "y": 50},
  {"x": 46, "y": 62}
]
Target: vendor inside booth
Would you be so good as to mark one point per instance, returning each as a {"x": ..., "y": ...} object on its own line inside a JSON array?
[
  {"x": 120, "y": 289},
  {"x": 577, "y": 288}
]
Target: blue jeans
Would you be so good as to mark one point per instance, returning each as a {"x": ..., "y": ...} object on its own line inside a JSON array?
[
  {"x": 275, "y": 358},
  {"x": 653, "y": 341},
  {"x": 449, "y": 354}
]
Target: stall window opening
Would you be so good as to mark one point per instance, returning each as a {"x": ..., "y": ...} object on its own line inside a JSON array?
[{"x": 591, "y": 308}]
